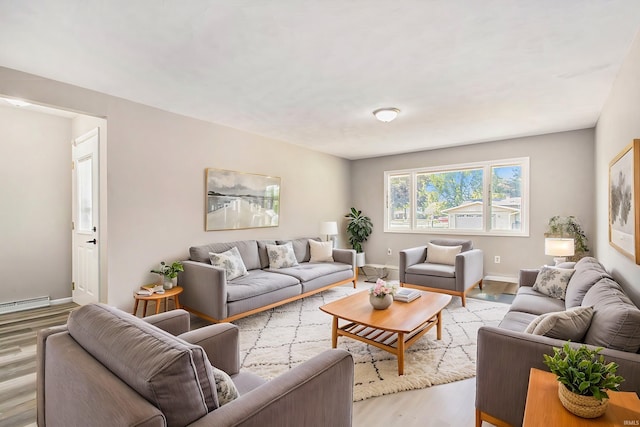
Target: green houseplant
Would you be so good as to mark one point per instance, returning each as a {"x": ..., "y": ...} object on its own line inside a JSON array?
[
  {"x": 359, "y": 229},
  {"x": 569, "y": 226},
  {"x": 169, "y": 272},
  {"x": 583, "y": 379}
]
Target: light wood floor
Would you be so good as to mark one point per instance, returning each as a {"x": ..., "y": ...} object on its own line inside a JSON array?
[{"x": 443, "y": 405}]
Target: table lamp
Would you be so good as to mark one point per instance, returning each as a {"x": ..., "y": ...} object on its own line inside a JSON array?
[
  {"x": 329, "y": 229},
  {"x": 560, "y": 248}
]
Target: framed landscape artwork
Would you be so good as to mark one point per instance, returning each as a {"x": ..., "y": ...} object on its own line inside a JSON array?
[
  {"x": 236, "y": 200},
  {"x": 624, "y": 197}
]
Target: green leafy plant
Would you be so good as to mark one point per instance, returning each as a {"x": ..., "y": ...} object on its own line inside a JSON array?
[
  {"x": 568, "y": 226},
  {"x": 171, "y": 271},
  {"x": 359, "y": 228},
  {"x": 583, "y": 371}
]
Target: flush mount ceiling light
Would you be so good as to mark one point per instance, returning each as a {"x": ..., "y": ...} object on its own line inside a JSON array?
[
  {"x": 386, "y": 114},
  {"x": 16, "y": 102}
]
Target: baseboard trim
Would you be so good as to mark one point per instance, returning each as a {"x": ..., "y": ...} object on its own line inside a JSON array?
[
  {"x": 61, "y": 301},
  {"x": 508, "y": 279}
]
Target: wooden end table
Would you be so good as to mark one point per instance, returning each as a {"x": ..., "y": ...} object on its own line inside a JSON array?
[
  {"x": 394, "y": 329},
  {"x": 158, "y": 298},
  {"x": 543, "y": 406}
]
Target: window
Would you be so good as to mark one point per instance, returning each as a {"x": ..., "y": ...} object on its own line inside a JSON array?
[{"x": 475, "y": 198}]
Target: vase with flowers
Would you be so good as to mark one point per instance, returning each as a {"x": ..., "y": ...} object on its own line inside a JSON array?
[{"x": 381, "y": 294}]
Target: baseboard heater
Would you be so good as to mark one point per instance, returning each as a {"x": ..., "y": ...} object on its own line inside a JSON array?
[{"x": 24, "y": 304}]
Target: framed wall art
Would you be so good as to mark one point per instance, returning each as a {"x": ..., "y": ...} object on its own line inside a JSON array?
[
  {"x": 236, "y": 200},
  {"x": 624, "y": 201}
]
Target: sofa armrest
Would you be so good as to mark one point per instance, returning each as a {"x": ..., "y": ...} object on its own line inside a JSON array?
[
  {"x": 409, "y": 257},
  {"x": 469, "y": 267},
  {"x": 346, "y": 256},
  {"x": 505, "y": 359},
  {"x": 527, "y": 277},
  {"x": 205, "y": 289},
  {"x": 318, "y": 393},
  {"x": 220, "y": 342},
  {"x": 175, "y": 322}
]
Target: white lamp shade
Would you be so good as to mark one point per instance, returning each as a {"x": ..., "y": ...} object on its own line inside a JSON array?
[
  {"x": 558, "y": 247},
  {"x": 329, "y": 228}
]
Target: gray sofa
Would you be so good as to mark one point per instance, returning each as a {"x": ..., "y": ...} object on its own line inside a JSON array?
[
  {"x": 457, "y": 279},
  {"x": 109, "y": 368},
  {"x": 506, "y": 353},
  {"x": 209, "y": 295}
]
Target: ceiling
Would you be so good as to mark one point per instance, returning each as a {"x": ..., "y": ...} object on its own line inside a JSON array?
[{"x": 312, "y": 72}]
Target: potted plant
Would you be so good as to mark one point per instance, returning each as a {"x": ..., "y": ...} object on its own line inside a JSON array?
[
  {"x": 568, "y": 226},
  {"x": 359, "y": 229},
  {"x": 583, "y": 379},
  {"x": 169, "y": 272}
]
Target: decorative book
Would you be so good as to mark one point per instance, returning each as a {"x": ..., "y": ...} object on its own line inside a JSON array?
[{"x": 406, "y": 295}]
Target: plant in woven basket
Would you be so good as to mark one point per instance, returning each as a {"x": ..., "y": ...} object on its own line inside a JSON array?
[{"x": 584, "y": 373}]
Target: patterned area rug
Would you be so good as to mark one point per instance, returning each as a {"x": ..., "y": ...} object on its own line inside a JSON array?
[{"x": 279, "y": 339}]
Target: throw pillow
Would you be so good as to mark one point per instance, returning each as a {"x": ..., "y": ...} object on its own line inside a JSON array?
[
  {"x": 564, "y": 325},
  {"x": 442, "y": 254},
  {"x": 281, "y": 256},
  {"x": 231, "y": 261},
  {"x": 553, "y": 281},
  {"x": 225, "y": 387},
  {"x": 321, "y": 251}
]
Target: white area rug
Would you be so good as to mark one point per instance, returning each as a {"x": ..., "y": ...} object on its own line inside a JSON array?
[{"x": 279, "y": 339}]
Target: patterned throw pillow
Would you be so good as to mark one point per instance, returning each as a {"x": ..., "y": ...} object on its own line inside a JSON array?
[
  {"x": 281, "y": 256},
  {"x": 553, "y": 281},
  {"x": 225, "y": 387},
  {"x": 231, "y": 261}
]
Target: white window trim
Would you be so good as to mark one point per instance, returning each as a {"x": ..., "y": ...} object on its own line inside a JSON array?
[{"x": 486, "y": 166}]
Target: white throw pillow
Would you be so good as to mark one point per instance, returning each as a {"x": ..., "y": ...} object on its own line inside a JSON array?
[
  {"x": 442, "y": 254},
  {"x": 553, "y": 281},
  {"x": 231, "y": 261},
  {"x": 281, "y": 256},
  {"x": 571, "y": 324},
  {"x": 321, "y": 251}
]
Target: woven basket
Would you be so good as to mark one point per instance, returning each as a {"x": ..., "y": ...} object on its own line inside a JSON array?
[{"x": 582, "y": 406}]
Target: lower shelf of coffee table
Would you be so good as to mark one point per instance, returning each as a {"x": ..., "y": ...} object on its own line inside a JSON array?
[{"x": 381, "y": 338}]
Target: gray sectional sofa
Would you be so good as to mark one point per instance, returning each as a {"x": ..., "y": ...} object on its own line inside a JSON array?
[
  {"x": 506, "y": 353},
  {"x": 85, "y": 376},
  {"x": 208, "y": 294}
]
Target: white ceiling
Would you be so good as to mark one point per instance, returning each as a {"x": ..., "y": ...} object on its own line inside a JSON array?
[{"x": 311, "y": 72}]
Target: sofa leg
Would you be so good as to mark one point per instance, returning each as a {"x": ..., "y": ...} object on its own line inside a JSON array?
[
  {"x": 478, "y": 418},
  {"x": 480, "y": 284},
  {"x": 464, "y": 299}
]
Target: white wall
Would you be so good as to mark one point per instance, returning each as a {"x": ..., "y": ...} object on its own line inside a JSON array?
[
  {"x": 155, "y": 179},
  {"x": 618, "y": 125},
  {"x": 35, "y": 219},
  {"x": 561, "y": 182}
]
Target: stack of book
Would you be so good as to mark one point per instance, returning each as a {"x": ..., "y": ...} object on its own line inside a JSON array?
[{"x": 406, "y": 295}]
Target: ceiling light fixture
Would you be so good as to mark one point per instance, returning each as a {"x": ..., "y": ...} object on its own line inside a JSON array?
[
  {"x": 386, "y": 114},
  {"x": 17, "y": 102}
]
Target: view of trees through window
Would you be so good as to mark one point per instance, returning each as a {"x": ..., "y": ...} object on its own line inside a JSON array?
[{"x": 455, "y": 198}]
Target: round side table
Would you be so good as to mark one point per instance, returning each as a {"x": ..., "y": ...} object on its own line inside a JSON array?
[{"x": 158, "y": 298}]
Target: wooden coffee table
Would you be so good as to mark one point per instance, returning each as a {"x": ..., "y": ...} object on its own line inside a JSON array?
[{"x": 394, "y": 329}]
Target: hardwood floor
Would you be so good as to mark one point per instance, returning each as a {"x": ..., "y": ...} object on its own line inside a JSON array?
[{"x": 443, "y": 405}]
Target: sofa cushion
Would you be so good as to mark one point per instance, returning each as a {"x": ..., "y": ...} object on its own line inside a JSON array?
[
  {"x": 262, "y": 252},
  {"x": 442, "y": 254},
  {"x": 530, "y": 301},
  {"x": 308, "y": 271},
  {"x": 300, "y": 247},
  {"x": 170, "y": 373},
  {"x": 248, "y": 251},
  {"x": 516, "y": 321},
  {"x": 424, "y": 269},
  {"x": 616, "y": 320},
  {"x": 553, "y": 281},
  {"x": 231, "y": 261},
  {"x": 281, "y": 256},
  {"x": 320, "y": 251},
  {"x": 571, "y": 324},
  {"x": 257, "y": 282},
  {"x": 588, "y": 271}
]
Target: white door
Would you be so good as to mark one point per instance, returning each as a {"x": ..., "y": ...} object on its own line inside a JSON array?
[{"x": 85, "y": 258}]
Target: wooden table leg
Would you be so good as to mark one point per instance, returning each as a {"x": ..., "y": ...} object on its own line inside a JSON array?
[
  {"x": 176, "y": 301},
  {"x": 334, "y": 332},
  {"x": 439, "y": 326},
  {"x": 400, "y": 353},
  {"x": 158, "y": 301},
  {"x": 135, "y": 306},
  {"x": 144, "y": 309}
]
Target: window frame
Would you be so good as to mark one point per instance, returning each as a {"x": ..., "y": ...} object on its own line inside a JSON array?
[{"x": 487, "y": 167}]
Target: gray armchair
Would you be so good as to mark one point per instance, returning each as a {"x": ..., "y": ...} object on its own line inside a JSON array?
[
  {"x": 457, "y": 278},
  {"x": 106, "y": 367}
]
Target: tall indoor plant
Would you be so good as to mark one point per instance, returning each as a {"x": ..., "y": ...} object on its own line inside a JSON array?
[{"x": 359, "y": 229}]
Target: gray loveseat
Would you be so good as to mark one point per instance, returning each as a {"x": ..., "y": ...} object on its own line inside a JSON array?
[
  {"x": 109, "y": 368},
  {"x": 507, "y": 353},
  {"x": 208, "y": 294}
]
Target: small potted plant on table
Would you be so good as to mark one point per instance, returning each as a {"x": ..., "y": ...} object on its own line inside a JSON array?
[
  {"x": 169, "y": 273},
  {"x": 583, "y": 379}
]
